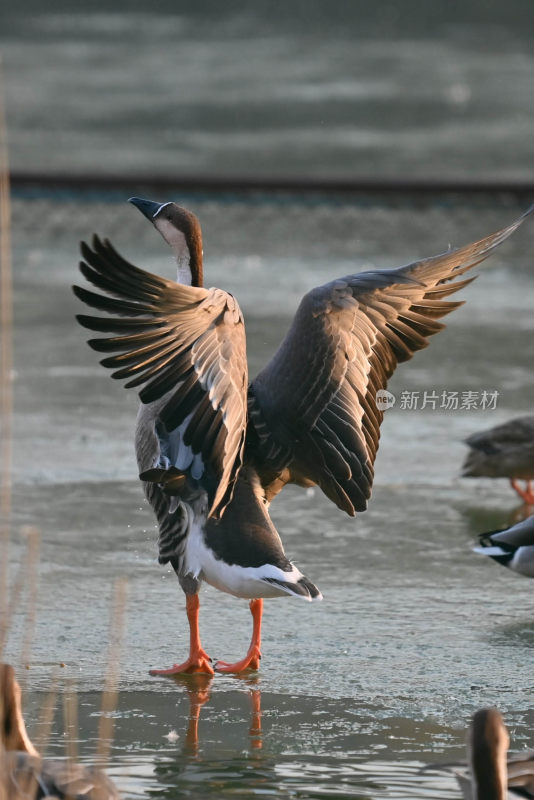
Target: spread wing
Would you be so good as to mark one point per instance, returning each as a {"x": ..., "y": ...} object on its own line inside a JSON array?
[
  {"x": 184, "y": 347},
  {"x": 312, "y": 410}
]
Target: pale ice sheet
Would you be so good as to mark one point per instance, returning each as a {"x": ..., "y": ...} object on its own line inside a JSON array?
[{"x": 415, "y": 630}]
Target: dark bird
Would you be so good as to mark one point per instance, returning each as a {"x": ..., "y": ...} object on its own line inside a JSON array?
[
  {"x": 505, "y": 451},
  {"x": 489, "y": 774},
  {"x": 212, "y": 450},
  {"x": 24, "y": 774},
  {"x": 513, "y": 547}
]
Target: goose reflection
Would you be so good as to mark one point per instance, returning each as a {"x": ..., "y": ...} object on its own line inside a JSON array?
[
  {"x": 256, "y": 742},
  {"x": 198, "y": 689},
  {"x": 196, "y": 763}
]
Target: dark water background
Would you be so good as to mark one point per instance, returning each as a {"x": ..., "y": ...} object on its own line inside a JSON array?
[
  {"x": 415, "y": 631},
  {"x": 409, "y": 88}
]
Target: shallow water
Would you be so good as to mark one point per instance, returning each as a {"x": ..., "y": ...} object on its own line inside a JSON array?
[{"x": 415, "y": 631}]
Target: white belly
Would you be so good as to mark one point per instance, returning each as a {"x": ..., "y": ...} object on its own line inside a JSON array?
[{"x": 247, "y": 582}]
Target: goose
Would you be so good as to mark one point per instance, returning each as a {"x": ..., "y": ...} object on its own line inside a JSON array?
[
  {"x": 504, "y": 451},
  {"x": 513, "y": 547},
  {"x": 212, "y": 450},
  {"x": 23, "y": 773},
  {"x": 488, "y": 774}
]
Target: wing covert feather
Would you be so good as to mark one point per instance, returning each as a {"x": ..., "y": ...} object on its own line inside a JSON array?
[
  {"x": 313, "y": 410},
  {"x": 185, "y": 347}
]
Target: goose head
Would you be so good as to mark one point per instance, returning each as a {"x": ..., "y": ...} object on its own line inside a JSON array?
[{"x": 181, "y": 230}]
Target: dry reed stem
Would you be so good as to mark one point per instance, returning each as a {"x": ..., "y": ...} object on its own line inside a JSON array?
[
  {"x": 46, "y": 716},
  {"x": 32, "y": 558},
  {"x": 13, "y": 602},
  {"x": 6, "y": 355},
  {"x": 110, "y": 694},
  {"x": 27, "y": 573},
  {"x": 70, "y": 718}
]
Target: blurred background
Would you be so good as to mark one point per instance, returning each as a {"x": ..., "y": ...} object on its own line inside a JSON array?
[
  {"x": 271, "y": 88},
  {"x": 312, "y": 139}
]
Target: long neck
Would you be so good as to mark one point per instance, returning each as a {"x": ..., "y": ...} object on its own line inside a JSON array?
[
  {"x": 489, "y": 774},
  {"x": 489, "y": 785},
  {"x": 183, "y": 273},
  {"x": 187, "y": 249},
  {"x": 189, "y": 261},
  {"x": 195, "y": 258}
]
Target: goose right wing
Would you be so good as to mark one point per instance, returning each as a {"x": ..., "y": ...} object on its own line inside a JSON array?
[{"x": 313, "y": 413}]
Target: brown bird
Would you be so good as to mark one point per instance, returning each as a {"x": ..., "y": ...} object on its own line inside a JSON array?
[
  {"x": 212, "y": 450},
  {"x": 489, "y": 775},
  {"x": 23, "y": 773},
  {"x": 505, "y": 451}
]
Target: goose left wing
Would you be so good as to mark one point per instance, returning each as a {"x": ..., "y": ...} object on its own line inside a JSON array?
[
  {"x": 185, "y": 347},
  {"x": 313, "y": 415}
]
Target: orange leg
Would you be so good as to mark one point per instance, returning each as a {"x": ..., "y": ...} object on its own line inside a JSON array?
[
  {"x": 252, "y": 658},
  {"x": 198, "y": 660},
  {"x": 527, "y": 494}
]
